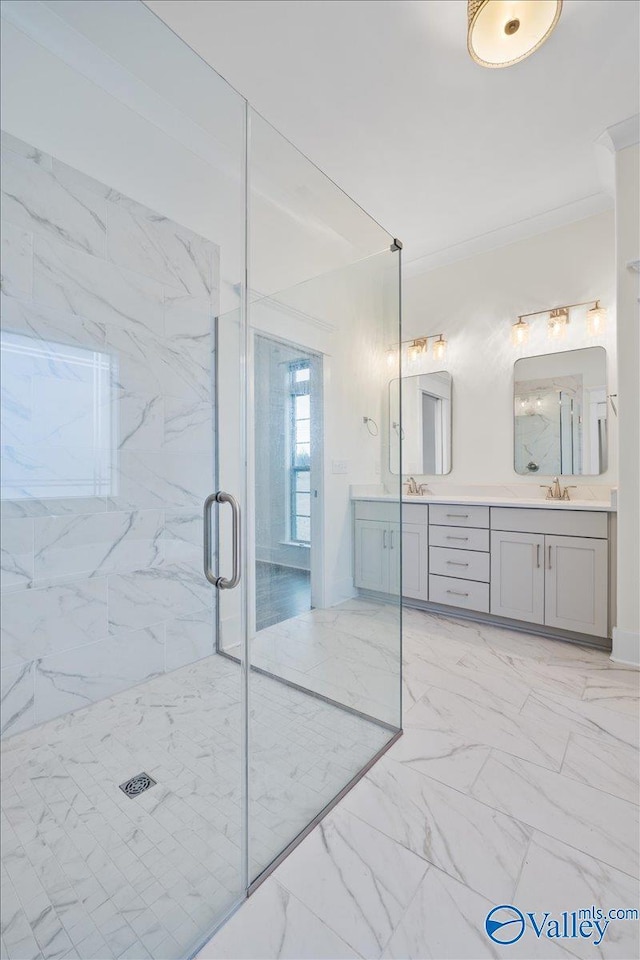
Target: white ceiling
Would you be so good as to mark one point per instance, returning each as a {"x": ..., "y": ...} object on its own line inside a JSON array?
[{"x": 383, "y": 96}]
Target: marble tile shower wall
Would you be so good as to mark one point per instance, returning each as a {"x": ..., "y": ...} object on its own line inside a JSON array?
[{"x": 101, "y": 587}]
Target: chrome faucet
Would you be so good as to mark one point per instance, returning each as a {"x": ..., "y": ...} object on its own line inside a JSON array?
[
  {"x": 415, "y": 489},
  {"x": 556, "y": 491}
]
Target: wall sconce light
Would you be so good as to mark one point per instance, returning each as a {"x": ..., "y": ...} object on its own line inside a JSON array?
[
  {"x": 596, "y": 320},
  {"x": 520, "y": 332},
  {"x": 558, "y": 321},
  {"x": 417, "y": 348},
  {"x": 439, "y": 348}
]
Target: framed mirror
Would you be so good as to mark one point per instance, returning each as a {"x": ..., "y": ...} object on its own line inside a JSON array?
[
  {"x": 560, "y": 413},
  {"x": 426, "y": 424}
]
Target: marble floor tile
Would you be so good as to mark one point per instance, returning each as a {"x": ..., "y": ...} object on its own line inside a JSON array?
[
  {"x": 468, "y": 840},
  {"x": 446, "y": 920},
  {"x": 557, "y": 877},
  {"x": 357, "y": 881},
  {"x": 583, "y": 717},
  {"x": 612, "y": 768},
  {"x": 274, "y": 923},
  {"x": 499, "y": 726},
  {"x": 531, "y": 671},
  {"x": 572, "y": 812},
  {"x": 441, "y": 754},
  {"x": 482, "y": 686}
]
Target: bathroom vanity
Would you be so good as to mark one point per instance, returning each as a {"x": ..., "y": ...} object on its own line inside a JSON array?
[{"x": 544, "y": 564}]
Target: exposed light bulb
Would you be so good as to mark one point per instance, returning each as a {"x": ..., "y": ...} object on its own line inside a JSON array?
[
  {"x": 596, "y": 320},
  {"x": 520, "y": 332}
]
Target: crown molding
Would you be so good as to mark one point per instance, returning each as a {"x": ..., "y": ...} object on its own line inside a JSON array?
[
  {"x": 621, "y": 135},
  {"x": 511, "y": 233}
]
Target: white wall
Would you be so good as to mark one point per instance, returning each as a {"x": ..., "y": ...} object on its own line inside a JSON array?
[
  {"x": 626, "y": 635},
  {"x": 475, "y": 301}
]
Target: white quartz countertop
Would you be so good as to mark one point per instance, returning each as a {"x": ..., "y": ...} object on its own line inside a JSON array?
[{"x": 597, "y": 505}]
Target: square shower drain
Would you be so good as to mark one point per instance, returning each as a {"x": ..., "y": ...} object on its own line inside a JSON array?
[{"x": 137, "y": 785}]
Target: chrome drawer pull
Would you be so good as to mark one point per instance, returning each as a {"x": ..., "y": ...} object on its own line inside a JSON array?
[
  {"x": 456, "y": 593},
  {"x": 463, "y": 516},
  {"x": 448, "y": 537},
  {"x": 457, "y": 563}
]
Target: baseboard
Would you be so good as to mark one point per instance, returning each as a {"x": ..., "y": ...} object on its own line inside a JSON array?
[{"x": 626, "y": 647}]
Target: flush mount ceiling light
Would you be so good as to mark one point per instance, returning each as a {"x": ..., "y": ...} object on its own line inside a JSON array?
[{"x": 503, "y": 32}]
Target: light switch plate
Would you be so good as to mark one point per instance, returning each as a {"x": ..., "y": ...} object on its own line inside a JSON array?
[{"x": 340, "y": 466}]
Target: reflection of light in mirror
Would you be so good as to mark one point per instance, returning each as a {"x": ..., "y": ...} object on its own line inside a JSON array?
[{"x": 56, "y": 419}]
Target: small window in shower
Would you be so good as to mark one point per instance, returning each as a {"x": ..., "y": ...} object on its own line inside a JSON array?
[{"x": 56, "y": 419}]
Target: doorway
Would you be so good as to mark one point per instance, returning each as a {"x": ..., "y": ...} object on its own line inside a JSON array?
[{"x": 288, "y": 406}]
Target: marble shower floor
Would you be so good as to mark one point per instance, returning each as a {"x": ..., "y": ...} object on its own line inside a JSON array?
[
  {"x": 516, "y": 781},
  {"x": 89, "y": 873}
]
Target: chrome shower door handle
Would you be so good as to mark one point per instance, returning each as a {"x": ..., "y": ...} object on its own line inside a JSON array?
[{"x": 222, "y": 583}]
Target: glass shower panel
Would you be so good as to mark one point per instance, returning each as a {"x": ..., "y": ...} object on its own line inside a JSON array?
[
  {"x": 123, "y": 230},
  {"x": 325, "y": 659}
]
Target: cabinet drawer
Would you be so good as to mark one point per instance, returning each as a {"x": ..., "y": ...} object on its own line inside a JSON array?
[
  {"x": 458, "y": 515},
  {"x": 460, "y": 538},
  {"x": 459, "y": 593},
  {"x": 380, "y": 510},
  {"x": 467, "y": 564},
  {"x": 415, "y": 513},
  {"x": 561, "y": 520}
]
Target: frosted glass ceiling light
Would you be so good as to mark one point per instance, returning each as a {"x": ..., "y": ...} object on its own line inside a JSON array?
[
  {"x": 520, "y": 332},
  {"x": 596, "y": 320},
  {"x": 503, "y": 32}
]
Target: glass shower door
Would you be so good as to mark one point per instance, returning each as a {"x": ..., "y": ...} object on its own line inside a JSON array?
[
  {"x": 123, "y": 225},
  {"x": 324, "y": 664}
]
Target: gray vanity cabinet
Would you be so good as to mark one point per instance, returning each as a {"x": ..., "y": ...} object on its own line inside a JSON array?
[
  {"x": 541, "y": 566},
  {"x": 377, "y": 549},
  {"x": 559, "y": 580},
  {"x": 517, "y": 576},
  {"x": 576, "y": 584},
  {"x": 372, "y": 555},
  {"x": 415, "y": 554}
]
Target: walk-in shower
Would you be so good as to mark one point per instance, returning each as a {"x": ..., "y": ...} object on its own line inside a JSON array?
[{"x": 162, "y": 247}]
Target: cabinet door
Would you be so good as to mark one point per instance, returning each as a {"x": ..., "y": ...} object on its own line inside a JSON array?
[
  {"x": 415, "y": 561},
  {"x": 517, "y": 576},
  {"x": 372, "y": 555},
  {"x": 576, "y": 584}
]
